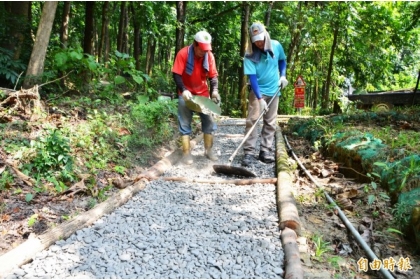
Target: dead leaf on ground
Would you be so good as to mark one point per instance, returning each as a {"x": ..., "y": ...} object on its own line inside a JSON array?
[
  {"x": 123, "y": 131},
  {"x": 315, "y": 220},
  {"x": 5, "y": 218}
]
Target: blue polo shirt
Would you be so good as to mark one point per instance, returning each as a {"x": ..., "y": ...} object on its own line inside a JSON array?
[{"x": 267, "y": 69}]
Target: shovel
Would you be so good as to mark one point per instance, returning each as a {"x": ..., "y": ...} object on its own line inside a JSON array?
[
  {"x": 203, "y": 105},
  {"x": 236, "y": 170}
]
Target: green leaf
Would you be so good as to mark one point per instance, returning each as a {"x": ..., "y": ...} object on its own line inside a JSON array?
[
  {"x": 138, "y": 79},
  {"x": 374, "y": 186},
  {"x": 60, "y": 59},
  {"x": 29, "y": 197},
  {"x": 92, "y": 65},
  {"x": 76, "y": 55},
  {"x": 32, "y": 220},
  {"x": 381, "y": 164},
  {"x": 371, "y": 199},
  {"x": 142, "y": 99},
  {"x": 394, "y": 230},
  {"x": 119, "y": 80}
]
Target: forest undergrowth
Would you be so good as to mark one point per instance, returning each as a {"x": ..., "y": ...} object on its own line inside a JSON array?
[
  {"x": 58, "y": 163},
  {"x": 387, "y": 226}
]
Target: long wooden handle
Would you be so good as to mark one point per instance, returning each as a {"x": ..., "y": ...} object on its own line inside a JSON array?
[{"x": 252, "y": 128}]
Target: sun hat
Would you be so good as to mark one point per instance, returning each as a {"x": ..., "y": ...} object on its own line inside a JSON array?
[
  {"x": 257, "y": 32},
  {"x": 203, "y": 39}
]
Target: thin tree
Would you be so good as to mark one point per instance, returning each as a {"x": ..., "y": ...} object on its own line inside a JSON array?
[
  {"x": 105, "y": 21},
  {"x": 326, "y": 93},
  {"x": 121, "y": 27},
  {"x": 150, "y": 55},
  {"x": 181, "y": 9},
  {"x": 89, "y": 30},
  {"x": 64, "y": 34},
  {"x": 36, "y": 62},
  {"x": 136, "y": 24},
  {"x": 296, "y": 33},
  {"x": 268, "y": 14},
  {"x": 244, "y": 40}
]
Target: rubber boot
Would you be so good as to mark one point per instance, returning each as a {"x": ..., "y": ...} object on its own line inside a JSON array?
[
  {"x": 186, "y": 150},
  {"x": 208, "y": 147}
]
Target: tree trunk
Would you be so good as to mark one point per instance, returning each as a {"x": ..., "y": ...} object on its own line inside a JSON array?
[
  {"x": 150, "y": 55},
  {"x": 296, "y": 31},
  {"x": 125, "y": 45},
  {"x": 136, "y": 39},
  {"x": 268, "y": 14},
  {"x": 242, "y": 91},
  {"x": 326, "y": 95},
  {"x": 64, "y": 34},
  {"x": 18, "y": 25},
  {"x": 181, "y": 9},
  {"x": 114, "y": 5},
  {"x": 168, "y": 54},
  {"x": 105, "y": 21},
  {"x": 121, "y": 25},
  {"x": 89, "y": 30},
  {"x": 36, "y": 63}
]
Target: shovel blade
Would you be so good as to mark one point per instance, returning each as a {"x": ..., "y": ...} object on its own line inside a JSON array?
[
  {"x": 232, "y": 170},
  {"x": 203, "y": 105}
]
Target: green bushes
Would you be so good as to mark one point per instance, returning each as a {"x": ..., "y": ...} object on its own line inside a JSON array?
[
  {"x": 52, "y": 160},
  {"x": 151, "y": 124}
]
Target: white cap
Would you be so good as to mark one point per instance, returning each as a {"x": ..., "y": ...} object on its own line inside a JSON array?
[
  {"x": 257, "y": 32},
  {"x": 204, "y": 40}
]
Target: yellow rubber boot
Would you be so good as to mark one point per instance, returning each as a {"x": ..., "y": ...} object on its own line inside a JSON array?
[
  {"x": 186, "y": 150},
  {"x": 208, "y": 147}
]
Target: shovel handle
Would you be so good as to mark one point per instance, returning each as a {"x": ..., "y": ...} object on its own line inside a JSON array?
[{"x": 252, "y": 128}]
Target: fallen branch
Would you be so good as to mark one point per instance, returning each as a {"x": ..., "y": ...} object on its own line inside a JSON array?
[
  {"x": 234, "y": 181},
  {"x": 28, "y": 180}
]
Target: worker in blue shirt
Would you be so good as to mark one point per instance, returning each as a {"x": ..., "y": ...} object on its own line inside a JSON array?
[{"x": 265, "y": 65}]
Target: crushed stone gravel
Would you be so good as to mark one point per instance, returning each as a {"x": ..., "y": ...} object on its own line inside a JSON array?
[{"x": 178, "y": 229}]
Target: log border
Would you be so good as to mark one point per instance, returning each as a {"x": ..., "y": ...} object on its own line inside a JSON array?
[
  {"x": 289, "y": 221},
  {"x": 26, "y": 251}
]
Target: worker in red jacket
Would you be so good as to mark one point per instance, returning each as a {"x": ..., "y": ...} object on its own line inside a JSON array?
[{"x": 193, "y": 65}]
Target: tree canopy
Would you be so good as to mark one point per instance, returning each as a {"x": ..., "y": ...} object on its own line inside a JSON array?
[{"x": 372, "y": 45}]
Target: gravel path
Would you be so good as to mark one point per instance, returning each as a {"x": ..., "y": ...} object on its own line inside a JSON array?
[{"x": 179, "y": 230}]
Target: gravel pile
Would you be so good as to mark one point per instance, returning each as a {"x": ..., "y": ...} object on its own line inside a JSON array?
[{"x": 178, "y": 229}]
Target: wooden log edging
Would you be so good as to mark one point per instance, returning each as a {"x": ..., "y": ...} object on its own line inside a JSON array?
[
  {"x": 293, "y": 266},
  {"x": 289, "y": 221},
  {"x": 286, "y": 204},
  {"x": 238, "y": 182},
  {"x": 26, "y": 251}
]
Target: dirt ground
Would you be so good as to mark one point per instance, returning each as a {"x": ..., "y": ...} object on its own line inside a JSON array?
[{"x": 333, "y": 251}]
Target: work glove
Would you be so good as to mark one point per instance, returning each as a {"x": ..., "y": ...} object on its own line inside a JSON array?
[
  {"x": 215, "y": 97},
  {"x": 263, "y": 105},
  {"x": 187, "y": 95},
  {"x": 283, "y": 82}
]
